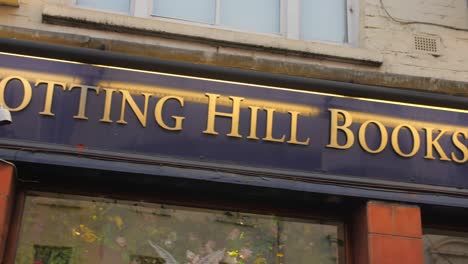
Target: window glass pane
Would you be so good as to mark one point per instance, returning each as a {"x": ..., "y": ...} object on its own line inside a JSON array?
[
  {"x": 110, "y": 5},
  {"x": 79, "y": 230},
  {"x": 445, "y": 248},
  {"x": 324, "y": 20},
  {"x": 202, "y": 11},
  {"x": 256, "y": 16}
]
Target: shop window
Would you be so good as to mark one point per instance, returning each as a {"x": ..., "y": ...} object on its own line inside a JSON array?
[
  {"x": 445, "y": 247},
  {"x": 51, "y": 255},
  {"x": 85, "y": 230},
  {"x": 309, "y": 20},
  {"x": 136, "y": 259}
]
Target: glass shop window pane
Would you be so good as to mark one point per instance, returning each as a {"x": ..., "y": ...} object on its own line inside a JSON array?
[
  {"x": 122, "y": 6},
  {"x": 440, "y": 248},
  {"x": 256, "y": 16},
  {"x": 82, "y": 230},
  {"x": 324, "y": 20},
  {"x": 47, "y": 254},
  {"x": 202, "y": 11}
]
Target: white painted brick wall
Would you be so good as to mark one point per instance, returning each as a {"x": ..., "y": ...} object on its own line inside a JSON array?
[{"x": 395, "y": 40}]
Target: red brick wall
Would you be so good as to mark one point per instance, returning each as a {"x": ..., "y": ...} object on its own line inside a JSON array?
[
  {"x": 387, "y": 233},
  {"x": 6, "y": 202}
]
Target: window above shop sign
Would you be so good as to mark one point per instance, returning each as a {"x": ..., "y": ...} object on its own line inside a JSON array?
[
  {"x": 121, "y": 6},
  {"x": 309, "y": 20}
]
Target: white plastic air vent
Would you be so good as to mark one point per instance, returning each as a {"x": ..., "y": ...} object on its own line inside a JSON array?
[{"x": 427, "y": 44}]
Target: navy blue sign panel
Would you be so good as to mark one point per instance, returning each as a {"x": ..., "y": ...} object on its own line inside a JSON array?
[{"x": 123, "y": 111}]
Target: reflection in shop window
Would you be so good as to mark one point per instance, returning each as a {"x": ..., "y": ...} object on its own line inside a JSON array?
[
  {"x": 146, "y": 260},
  {"x": 445, "y": 248},
  {"x": 83, "y": 230},
  {"x": 52, "y": 255}
]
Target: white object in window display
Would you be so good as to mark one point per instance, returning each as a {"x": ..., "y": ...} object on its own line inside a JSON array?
[{"x": 212, "y": 258}]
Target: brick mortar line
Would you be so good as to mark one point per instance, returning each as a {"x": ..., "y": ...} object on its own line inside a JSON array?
[{"x": 394, "y": 235}]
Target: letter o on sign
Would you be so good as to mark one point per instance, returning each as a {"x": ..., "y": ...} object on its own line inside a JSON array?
[
  {"x": 26, "y": 97},
  {"x": 396, "y": 144},
  {"x": 383, "y": 136}
]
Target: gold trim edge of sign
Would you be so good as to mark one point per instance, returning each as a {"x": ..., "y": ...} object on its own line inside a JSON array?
[{"x": 248, "y": 84}]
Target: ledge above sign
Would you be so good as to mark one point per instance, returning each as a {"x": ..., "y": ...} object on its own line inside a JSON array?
[{"x": 14, "y": 3}]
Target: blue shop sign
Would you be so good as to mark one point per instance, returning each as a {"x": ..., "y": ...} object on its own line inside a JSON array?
[{"x": 123, "y": 112}]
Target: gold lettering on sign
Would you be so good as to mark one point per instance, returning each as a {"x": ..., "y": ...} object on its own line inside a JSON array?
[
  {"x": 83, "y": 99},
  {"x": 269, "y": 127},
  {"x": 49, "y": 95},
  {"x": 253, "y": 122},
  {"x": 107, "y": 105},
  {"x": 396, "y": 144},
  {"x": 342, "y": 123},
  {"x": 383, "y": 136},
  {"x": 235, "y": 115},
  {"x": 334, "y": 128},
  {"x": 434, "y": 143},
  {"x": 128, "y": 99},
  {"x": 26, "y": 96},
  {"x": 460, "y": 146},
  {"x": 293, "y": 139},
  {"x": 158, "y": 113}
]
